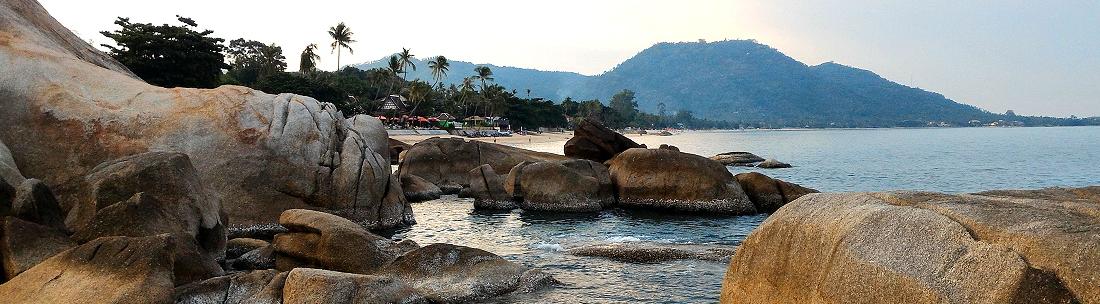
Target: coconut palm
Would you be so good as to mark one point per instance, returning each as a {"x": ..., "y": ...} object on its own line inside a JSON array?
[
  {"x": 439, "y": 68},
  {"x": 309, "y": 59},
  {"x": 417, "y": 91},
  {"x": 484, "y": 74},
  {"x": 406, "y": 62},
  {"x": 465, "y": 90},
  {"x": 341, "y": 39},
  {"x": 395, "y": 65}
]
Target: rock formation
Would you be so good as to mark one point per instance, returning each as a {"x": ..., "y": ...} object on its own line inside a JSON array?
[
  {"x": 308, "y": 286},
  {"x": 744, "y": 159},
  {"x": 446, "y": 162},
  {"x": 654, "y": 253},
  {"x": 772, "y": 164},
  {"x": 920, "y": 247},
  {"x": 417, "y": 189},
  {"x": 671, "y": 180},
  {"x": 68, "y": 108},
  {"x": 568, "y": 186},
  {"x": 321, "y": 240},
  {"x": 24, "y": 244},
  {"x": 593, "y": 141},
  {"x": 768, "y": 194},
  {"x": 487, "y": 189},
  {"x": 446, "y": 273},
  {"x": 396, "y": 147}
]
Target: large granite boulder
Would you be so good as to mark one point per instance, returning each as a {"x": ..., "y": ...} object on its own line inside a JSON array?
[
  {"x": 106, "y": 270},
  {"x": 487, "y": 189},
  {"x": 768, "y": 194},
  {"x": 577, "y": 185},
  {"x": 24, "y": 244},
  {"x": 446, "y": 162},
  {"x": 446, "y": 273},
  {"x": 919, "y": 247},
  {"x": 326, "y": 241},
  {"x": 318, "y": 286},
  {"x": 9, "y": 172},
  {"x": 593, "y": 141},
  {"x": 36, "y": 203},
  {"x": 677, "y": 181},
  {"x": 743, "y": 159},
  {"x": 150, "y": 194},
  {"x": 67, "y": 108},
  {"x": 417, "y": 189},
  {"x": 396, "y": 147},
  {"x": 257, "y": 287}
]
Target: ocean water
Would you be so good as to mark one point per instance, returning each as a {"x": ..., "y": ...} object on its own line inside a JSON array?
[{"x": 946, "y": 160}]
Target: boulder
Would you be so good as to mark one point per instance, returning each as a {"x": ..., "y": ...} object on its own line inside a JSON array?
[
  {"x": 318, "y": 286},
  {"x": 446, "y": 162},
  {"x": 671, "y": 180},
  {"x": 320, "y": 240},
  {"x": 259, "y": 287},
  {"x": 105, "y": 270},
  {"x": 669, "y": 147},
  {"x": 396, "y": 147},
  {"x": 446, "y": 273},
  {"x": 744, "y": 159},
  {"x": 922, "y": 247},
  {"x": 654, "y": 253},
  {"x": 36, "y": 203},
  {"x": 772, "y": 164},
  {"x": 238, "y": 246},
  {"x": 259, "y": 258},
  {"x": 68, "y": 107},
  {"x": 487, "y": 189},
  {"x": 593, "y": 141},
  {"x": 768, "y": 194},
  {"x": 24, "y": 244},
  {"x": 9, "y": 172},
  {"x": 149, "y": 194},
  {"x": 417, "y": 189},
  {"x": 578, "y": 185}
]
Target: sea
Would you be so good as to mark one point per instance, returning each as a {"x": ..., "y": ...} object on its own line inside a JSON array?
[{"x": 951, "y": 160}]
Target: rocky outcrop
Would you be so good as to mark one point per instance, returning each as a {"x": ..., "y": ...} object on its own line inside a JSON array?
[
  {"x": 9, "y": 172},
  {"x": 238, "y": 246},
  {"x": 417, "y": 189},
  {"x": 106, "y": 270},
  {"x": 744, "y": 159},
  {"x": 772, "y": 164},
  {"x": 261, "y": 286},
  {"x": 566, "y": 186},
  {"x": 768, "y": 194},
  {"x": 35, "y": 202},
  {"x": 320, "y": 240},
  {"x": 24, "y": 244},
  {"x": 446, "y": 162},
  {"x": 654, "y": 253},
  {"x": 920, "y": 247},
  {"x": 487, "y": 189},
  {"x": 446, "y": 273},
  {"x": 317, "y": 286},
  {"x": 68, "y": 108},
  {"x": 671, "y": 180},
  {"x": 149, "y": 194},
  {"x": 593, "y": 141},
  {"x": 396, "y": 147}
]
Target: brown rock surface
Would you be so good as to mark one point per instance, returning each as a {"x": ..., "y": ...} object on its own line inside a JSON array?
[
  {"x": 487, "y": 189},
  {"x": 446, "y": 162},
  {"x": 417, "y": 189},
  {"x": 737, "y": 159},
  {"x": 446, "y": 273},
  {"x": 68, "y": 108},
  {"x": 768, "y": 194},
  {"x": 252, "y": 287},
  {"x": 24, "y": 244},
  {"x": 35, "y": 202},
  {"x": 106, "y": 270},
  {"x": 671, "y": 180},
  {"x": 317, "y": 286},
  {"x": 919, "y": 247},
  {"x": 577, "y": 185},
  {"x": 593, "y": 141},
  {"x": 326, "y": 241}
]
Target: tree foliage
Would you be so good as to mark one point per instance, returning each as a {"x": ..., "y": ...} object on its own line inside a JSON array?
[
  {"x": 168, "y": 55},
  {"x": 250, "y": 60}
]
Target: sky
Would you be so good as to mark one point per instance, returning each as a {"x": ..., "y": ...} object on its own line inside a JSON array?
[{"x": 1033, "y": 57}]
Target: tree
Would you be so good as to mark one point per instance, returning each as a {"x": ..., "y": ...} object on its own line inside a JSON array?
[
  {"x": 341, "y": 39},
  {"x": 406, "y": 62},
  {"x": 439, "y": 68},
  {"x": 251, "y": 60},
  {"x": 395, "y": 65},
  {"x": 625, "y": 108},
  {"x": 417, "y": 91},
  {"x": 168, "y": 56},
  {"x": 308, "y": 63},
  {"x": 484, "y": 74}
]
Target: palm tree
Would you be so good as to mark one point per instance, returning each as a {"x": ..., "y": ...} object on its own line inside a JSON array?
[
  {"x": 407, "y": 61},
  {"x": 395, "y": 68},
  {"x": 439, "y": 68},
  {"x": 466, "y": 88},
  {"x": 309, "y": 59},
  {"x": 341, "y": 38},
  {"x": 417, "y": 90},
  {"x": 484, "y": 74}
]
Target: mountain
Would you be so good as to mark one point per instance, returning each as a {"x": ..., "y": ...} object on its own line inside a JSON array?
[{"x": 740, "y": 81}]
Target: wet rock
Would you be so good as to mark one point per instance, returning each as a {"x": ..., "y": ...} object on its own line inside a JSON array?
[
  {"x": 317, "y": 286},
  {"x": 669, "y": 147},
  {"x": 744, "y": 159},
  {"x": 593, "y": 141},
  {"x": 238, "y": 246},
  {"x": 396, "y": 147},
  {"x": 261, "y": 286},
  {"x": 153, "y": 193},
  {"x": 446, "y": 162},
  {"x": 921, "y": 247},
  {"x": 768, "y": 194},
  {"x": 676, "y": 181},
  {"x": 24, "y": 244},
  {"x": 266, "y": 152},
  {"x": 566, "y": 186},
  {"x": 654, "y": 253},
  {"x": 259, "y": 258},
  {"x": 772, "y": 164},
  {"x": 417, "y": 189},
  {"x": 35, "y": 202},
  {"x": 487, "y": 189},
  {"x": 105, "y": 270},
  {"x": 447, "y": 273},
  {"x": 320, "y": 240}
]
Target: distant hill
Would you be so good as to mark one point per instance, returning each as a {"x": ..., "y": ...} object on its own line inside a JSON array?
[{"x": 739, "y": 81}]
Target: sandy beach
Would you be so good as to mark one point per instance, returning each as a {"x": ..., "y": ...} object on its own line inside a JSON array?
[{"x": 511, "y": 140}]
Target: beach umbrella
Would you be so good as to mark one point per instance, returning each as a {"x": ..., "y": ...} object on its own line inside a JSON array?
[
  {"x": 433, "y": 119},
  {"x": 421, "y": 119},
  {"x": 381, "y": 117}
]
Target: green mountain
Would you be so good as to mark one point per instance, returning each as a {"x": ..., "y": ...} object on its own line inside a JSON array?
[{"x": 739, "y": 81}]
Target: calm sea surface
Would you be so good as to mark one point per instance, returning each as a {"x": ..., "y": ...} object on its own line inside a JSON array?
[{"x": 945, "y": 160}]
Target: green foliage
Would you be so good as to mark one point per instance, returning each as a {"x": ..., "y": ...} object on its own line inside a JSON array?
[
  {"x": 250, "y": 60},
  {"x": 167, "y": 55},
  {"x": 309, "y": 58},
  {"x": 341, "y": 39}
]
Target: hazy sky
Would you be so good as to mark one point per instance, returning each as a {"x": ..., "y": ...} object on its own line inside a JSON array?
[{"x": 1035, "y": 57}]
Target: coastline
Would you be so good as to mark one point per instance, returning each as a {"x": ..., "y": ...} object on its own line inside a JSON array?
[{"x": 517, "y": 139}]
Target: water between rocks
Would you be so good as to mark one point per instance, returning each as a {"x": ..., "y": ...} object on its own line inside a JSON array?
[{"x": 944, "y": 160}]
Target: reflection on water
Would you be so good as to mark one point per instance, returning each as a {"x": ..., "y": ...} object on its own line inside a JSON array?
[{"x": 946, "y": 160}]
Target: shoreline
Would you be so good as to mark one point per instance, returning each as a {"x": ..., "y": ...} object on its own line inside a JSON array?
[{"x": 515, "y": 139}]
